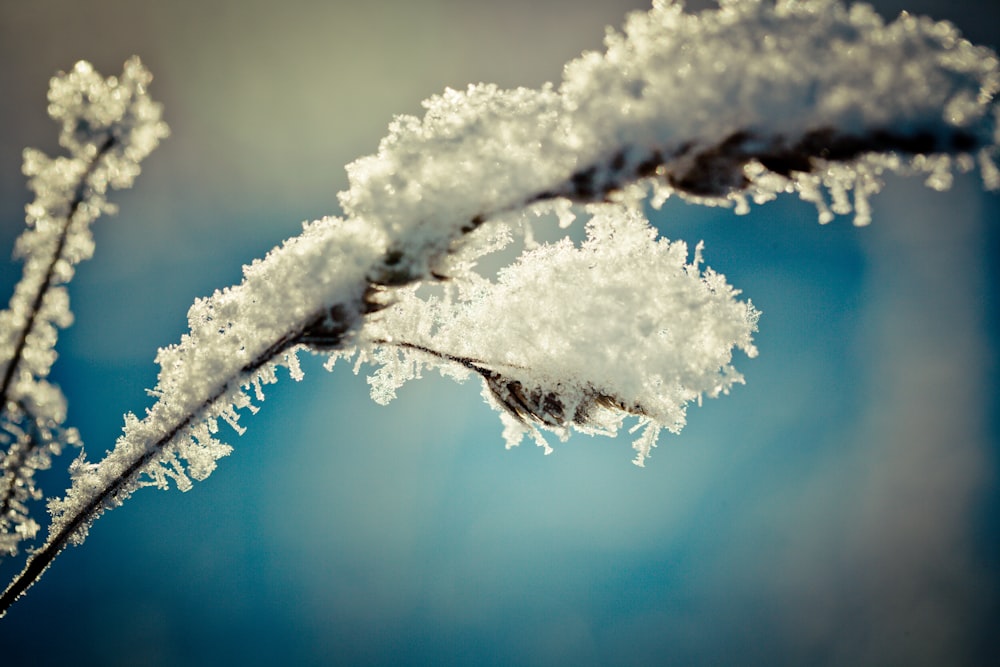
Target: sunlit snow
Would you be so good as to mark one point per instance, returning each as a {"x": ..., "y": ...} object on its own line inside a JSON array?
[{"x": 726, "y": 107}]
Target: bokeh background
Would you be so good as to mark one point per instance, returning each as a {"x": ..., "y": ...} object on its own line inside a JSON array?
[{"x": 840, "y": 509}]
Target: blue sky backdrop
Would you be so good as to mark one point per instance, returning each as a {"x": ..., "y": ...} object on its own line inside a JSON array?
[{"x": 841, "y": 508}]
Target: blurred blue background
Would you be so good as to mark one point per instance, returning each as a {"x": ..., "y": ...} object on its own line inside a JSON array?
[{"x": 839, "y": 509}]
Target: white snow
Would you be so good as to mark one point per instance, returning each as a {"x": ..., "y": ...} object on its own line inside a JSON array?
[
  {"x": 623, "y": 324},
  {"x": 726, "y": 107}
]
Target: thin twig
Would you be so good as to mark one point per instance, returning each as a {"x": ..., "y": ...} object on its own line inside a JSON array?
[
  {"x": 41, "y": 559},
  {"x": 12, "y": 365},
  {"x": 46, "y": 283}
]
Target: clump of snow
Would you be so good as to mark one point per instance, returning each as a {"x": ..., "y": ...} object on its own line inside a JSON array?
[
  {"x": 697, "y": 103},
  {"x": 580, "y": 336}
]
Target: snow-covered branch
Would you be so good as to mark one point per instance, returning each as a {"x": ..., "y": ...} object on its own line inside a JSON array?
[{"x": 722, "y": 108}]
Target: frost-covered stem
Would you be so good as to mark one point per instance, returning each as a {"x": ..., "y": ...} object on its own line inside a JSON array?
[
  {"x": 46, "y": 282},
  {"x": 465, "y": 362},
  {"x": 40, "y": 560},
  {"x": 526, "y": 404},
  {"x": 108, "y": 126},
  {"x": 329, "y": 326},
  {"x": 717, "y": 169},
  {"x": 805, "y": 91},
  {"x": 701, "y": 172},
  {"x": 708, "y": 170},
  {"x": 326, "y": 329},
  {"x": 24, "y": 447}
]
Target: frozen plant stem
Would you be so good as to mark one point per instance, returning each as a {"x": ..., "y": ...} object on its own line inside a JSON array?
[
  {"x": 40, "y": 560},
  {"x": 12, "y": 467},
  {"x": 108, "y": 127},
  {"x": 652, "y": 113},
  {"x": 46, "y": 281}
]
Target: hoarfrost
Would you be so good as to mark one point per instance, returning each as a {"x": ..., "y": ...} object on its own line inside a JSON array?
[
  {"x": 237, "y": 338},
  {"x": 724, "y": 108},
  {"x": 697, "y": 103},
  {"x": 108, "y": 127},
  {"x": 578, "y": 336}
]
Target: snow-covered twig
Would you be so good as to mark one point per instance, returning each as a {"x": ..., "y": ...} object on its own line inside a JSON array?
[{"x": 738, "y": 104}]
